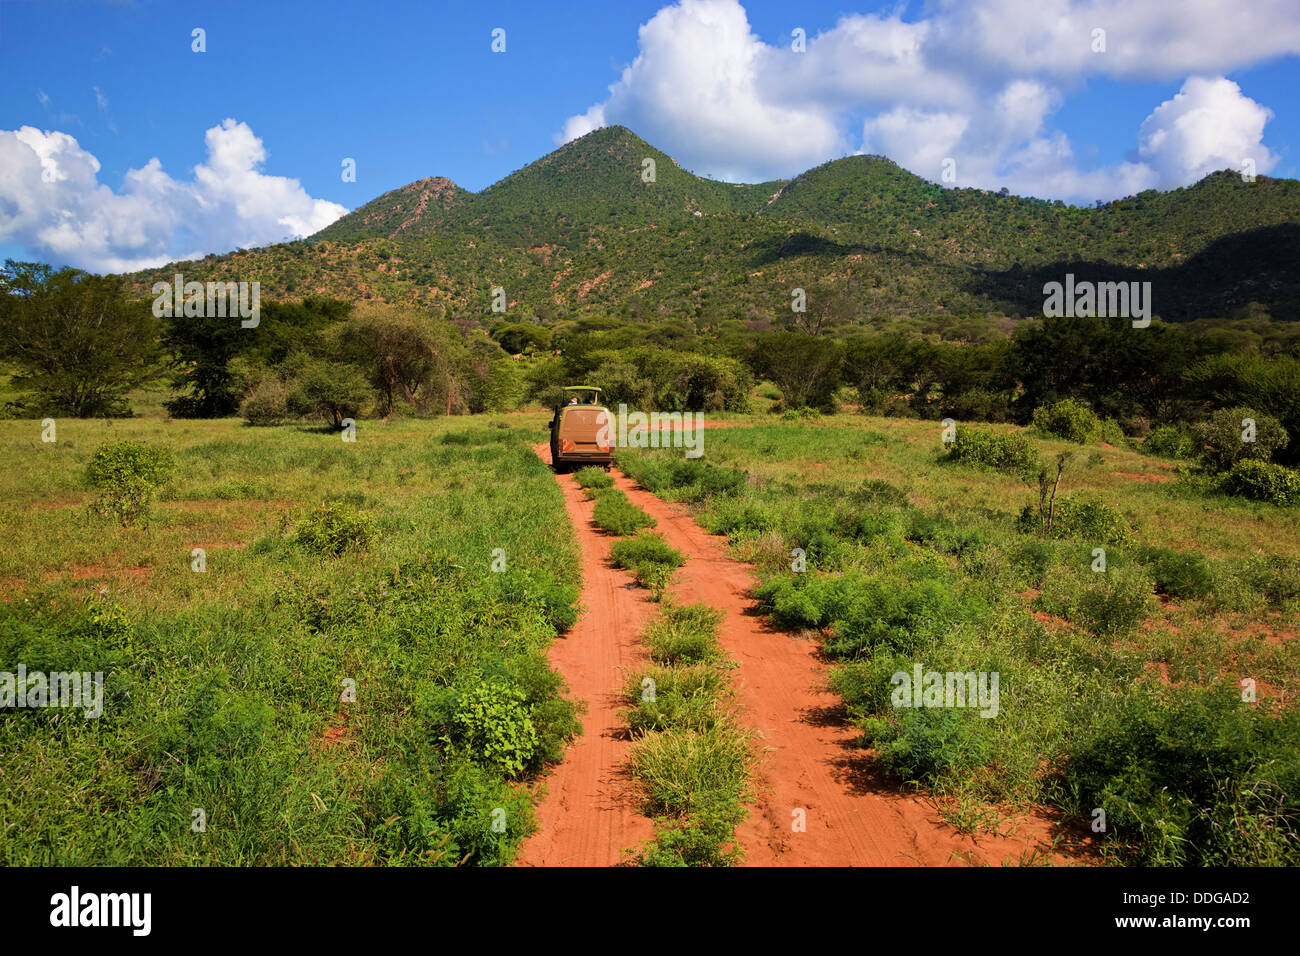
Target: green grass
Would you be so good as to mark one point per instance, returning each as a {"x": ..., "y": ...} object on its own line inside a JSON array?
[
  {"x": 331, "y": 568},
  {"x": 617, "y": 515},
  {"x": 907, "y": 559},
  {"x": 690, "y": 756},
  {"x": 686, "y": 634}
]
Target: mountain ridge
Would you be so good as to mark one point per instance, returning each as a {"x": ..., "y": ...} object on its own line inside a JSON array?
[{"x": 581, "y": 230}]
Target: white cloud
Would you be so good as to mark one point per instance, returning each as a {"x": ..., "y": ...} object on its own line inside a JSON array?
[
  {"x": 52, "y": 203},
  {"x": 1147, "y": 41},
  {"x": 975, "y": 80},
  {"x": 696, "y": 85},
  {"x": 1209, "y": 125}
]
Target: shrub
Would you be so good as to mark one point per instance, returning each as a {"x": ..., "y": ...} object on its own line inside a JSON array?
[
  {"x": 923, "y": 743},
  {"x": 1262, "y": 481},
  {"x": 1070, "y": 419},
  {"x": 1170, "y": 441},
  {"x": 739, "y": 516},
  {"x": 128, "y": 475},
  {"x": 1190, "y": 777},
  {"x": 686, "y": 634},
  {"x": 1223, "y": 438},
  {"x": 674, "y": 698},
  {"x": 684, "y": 771},
  {"x": 1008, "y": 452},
  {"x": 1112, "y": 433},
  {"x": 865, "y": 612},
  {"x": 266, "y": 404},
  {"x": 1180, "y": 574},
  {"x": 705, "y": 838},
  {"x": 488, "y": 719},
  {"x": 654, "y": 576},
  {"x": 646, "y": 548},
  {"x": 617, "y": 515},
  {"x": 120, "y": 462},
  {"x": 334, "y": 527},
  {"x": 1106, "y": 603},
  {"x": 1090, "y": 520},
  {"x": 593, "y": 478},
  {"x": 1276, "y": 579}
]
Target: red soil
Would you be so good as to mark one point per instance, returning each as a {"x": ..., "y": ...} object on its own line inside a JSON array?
[
  {"x": 807, "y": 763},
  {"x": 589, "y": 815}
]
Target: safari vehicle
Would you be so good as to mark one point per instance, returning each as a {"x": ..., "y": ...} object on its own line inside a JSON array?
[{"x": 576, "y": 431}]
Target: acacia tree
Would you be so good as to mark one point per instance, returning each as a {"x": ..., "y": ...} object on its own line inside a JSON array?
[
  {"x": 806, "y": 368},
  {"x": 79, "y": 343},
  {"x": 402, "y": 353}
]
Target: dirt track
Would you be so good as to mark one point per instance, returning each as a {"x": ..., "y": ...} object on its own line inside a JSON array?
[
  {"x": 807, "y": 761},
  {"x": 589, "y": 816}
]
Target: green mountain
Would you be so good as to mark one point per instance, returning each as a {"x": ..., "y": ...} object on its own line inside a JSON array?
[
  {"x": 580, "y": 231},
  {"x": 412, "y": 210},
  {"x": 598, "y": 180}
]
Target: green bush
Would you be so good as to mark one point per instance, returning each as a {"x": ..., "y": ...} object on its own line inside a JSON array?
[
  {"x": 686, "y": 634},
  {"x": 921, "y": 744},
  {"x": 674, "y": 698},
  {"x": 1262, "y": 481},
  {"x": 739, "y": 515},
  {"x": 656, "y": 577},
  {"x": 1106, "y": 603},
  {"x": 617, "y": 515},
  {"x": 266, "y": 404},
  {"x": 1112, "y": 433},
  {"x": 1008, "y": 452},
  {"x": 704, "y": 838},
  {"x": 646, "y": 548},
  {"x": 489, "y": 720},
  {"x": 123, "y": 461},
  {"x": 1276, "y": 579},
  {"x": 128, "y": 474},
  {"x": 685, "y": 479},
  {"x": 593, "y": 478},
  {"x": 1180, "y": 574},
  {"x": 334, "y": 527},
  {"x": 864, "y": 612},
  {"x": 1090, "y": 520},
  {"x": 1190, "y": 777},
  {"x": 1222, "y": 438},
  {"x": 1170, "y": 441},
  {"x": 1070, "y": 419}
]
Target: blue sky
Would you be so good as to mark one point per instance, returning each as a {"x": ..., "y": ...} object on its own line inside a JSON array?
[{"x": 413, "y": 89}]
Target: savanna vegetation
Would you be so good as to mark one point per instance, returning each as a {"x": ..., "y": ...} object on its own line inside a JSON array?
[
  {"x": 314, "y": 651},
  {"x": 1105, "y": 515},
  {"x": 1144, "y": 638}
]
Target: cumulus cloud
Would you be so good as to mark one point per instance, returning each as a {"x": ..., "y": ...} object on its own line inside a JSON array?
[
  {"x": 1209, "y": 125},
  {"x": 975, "y": 82},
  {"x": 51, "y": 202},
  {"x": 696, "y": 84}
]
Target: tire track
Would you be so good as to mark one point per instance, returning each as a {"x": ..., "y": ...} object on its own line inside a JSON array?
[{"x": 589, "y": 814}]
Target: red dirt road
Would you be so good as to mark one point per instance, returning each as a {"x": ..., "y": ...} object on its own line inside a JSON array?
[
  {"x": 808, "y": 768},
  {"x": 590, "y": 816}
]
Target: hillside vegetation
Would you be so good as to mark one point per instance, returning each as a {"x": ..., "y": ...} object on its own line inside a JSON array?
[{"x": 579, "y": 231}]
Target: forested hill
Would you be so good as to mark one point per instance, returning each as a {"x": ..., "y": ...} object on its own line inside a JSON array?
[{"x": 581, "y": 231}]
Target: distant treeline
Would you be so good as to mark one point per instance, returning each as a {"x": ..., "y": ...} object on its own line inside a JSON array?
[{"x": 78, "y": 345}]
